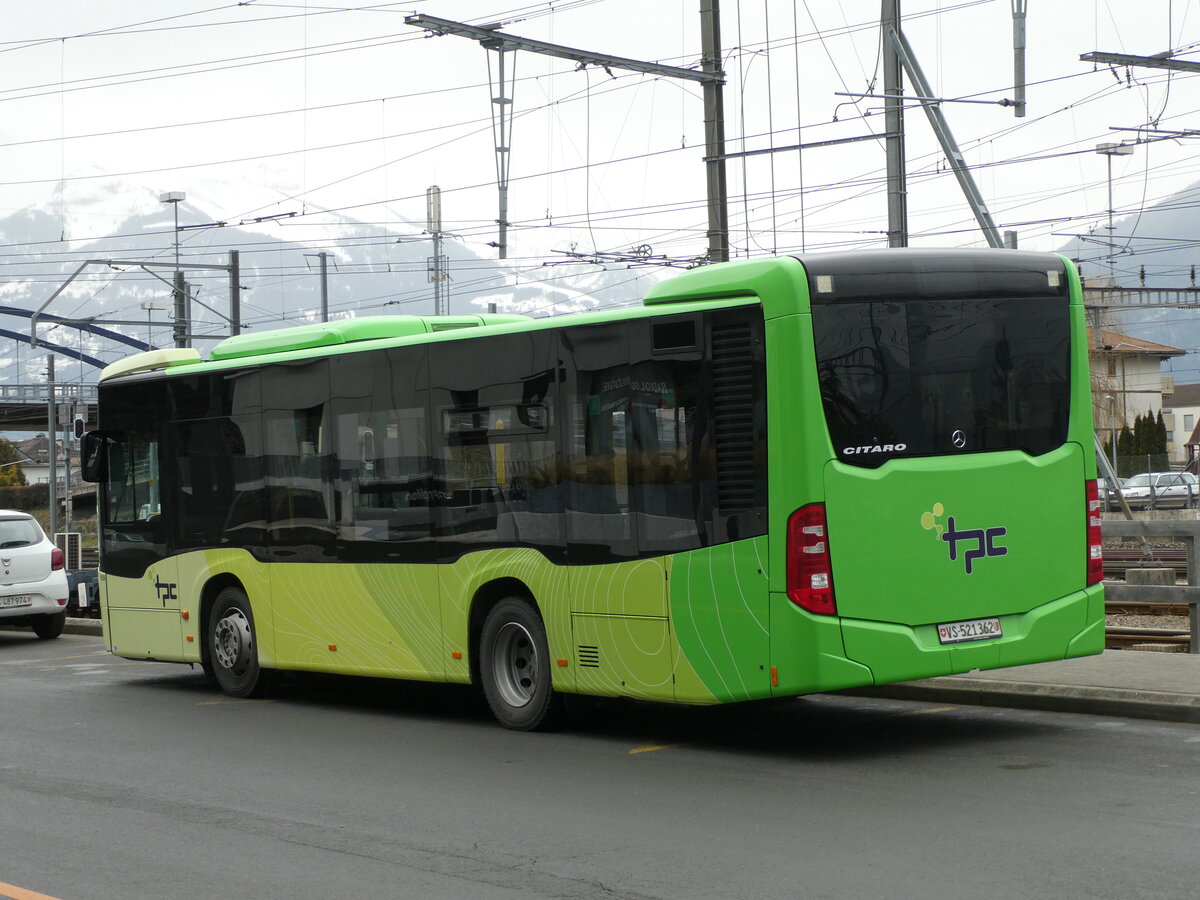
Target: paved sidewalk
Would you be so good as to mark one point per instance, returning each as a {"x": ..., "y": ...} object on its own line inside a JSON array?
[{"x": 1135, "y": 683}]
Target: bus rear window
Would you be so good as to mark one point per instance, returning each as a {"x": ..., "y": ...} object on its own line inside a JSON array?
[{"x": 928, "y": 376}]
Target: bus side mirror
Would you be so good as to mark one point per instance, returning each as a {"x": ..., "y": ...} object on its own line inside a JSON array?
[{"x": 93, "y": 456}]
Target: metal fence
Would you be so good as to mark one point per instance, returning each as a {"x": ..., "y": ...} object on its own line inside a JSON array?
[{"x": 1186, "y": 532}]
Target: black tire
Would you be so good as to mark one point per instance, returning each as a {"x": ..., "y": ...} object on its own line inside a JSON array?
[
  {"x": 232, "y": 645},
  {"x": 50, "y": 625},
  {"x": 514, "y": 667}
]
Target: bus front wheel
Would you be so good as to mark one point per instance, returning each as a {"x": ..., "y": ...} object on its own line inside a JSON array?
[
  {"x": 514, "y": 666},
  {"x": 233, "y": 646}
]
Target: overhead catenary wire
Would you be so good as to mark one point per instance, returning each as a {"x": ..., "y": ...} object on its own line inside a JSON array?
[{"x": 755, "y": 221}]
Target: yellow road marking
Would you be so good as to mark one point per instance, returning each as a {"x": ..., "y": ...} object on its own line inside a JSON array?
[
  {"x": 16, "y": 893},
  {"x": 650, "y": 748}
]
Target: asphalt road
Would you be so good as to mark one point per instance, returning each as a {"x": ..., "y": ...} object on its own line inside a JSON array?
[{"x": 139, "y": 780}]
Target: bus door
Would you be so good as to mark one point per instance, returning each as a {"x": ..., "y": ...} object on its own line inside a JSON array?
[{"x": 139, "y": 583}]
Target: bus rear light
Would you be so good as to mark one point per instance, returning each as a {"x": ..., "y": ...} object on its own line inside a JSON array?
[
  {"x": 1095, "y": 538},
  {"x": 57, "y": 560},
  {"x": 809, "y": 570}
]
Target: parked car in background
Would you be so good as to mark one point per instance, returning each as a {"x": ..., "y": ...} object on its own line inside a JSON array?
[
  {"x": 1161, "y": 490},
  {"x": 33, "y": 577},
  {"x": 86, "y": 606}
]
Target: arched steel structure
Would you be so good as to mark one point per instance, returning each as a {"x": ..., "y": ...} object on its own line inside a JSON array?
[
  {"x": 89, "y": 327},
  {"x": 57, "y": 348}
]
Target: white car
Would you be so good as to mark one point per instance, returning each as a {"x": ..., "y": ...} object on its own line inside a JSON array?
[
  {"x": 1155, "y": 490},
  {"x": 33, "y": 576}
]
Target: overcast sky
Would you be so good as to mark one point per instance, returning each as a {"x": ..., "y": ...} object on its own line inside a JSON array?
[{"x": 341, "y": 110}]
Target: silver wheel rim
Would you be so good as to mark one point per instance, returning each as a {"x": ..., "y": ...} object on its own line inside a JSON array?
[
  {"x": 515, "y": 664},
  {"x": 233, "y": 642}
]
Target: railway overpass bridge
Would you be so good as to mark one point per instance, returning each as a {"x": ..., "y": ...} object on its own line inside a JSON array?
[{"x": 26, "y": 407}]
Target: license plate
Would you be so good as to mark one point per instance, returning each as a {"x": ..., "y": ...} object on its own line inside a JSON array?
[
  {"x": 974, "y": 630},
  {"x": 16, "y": 602}
]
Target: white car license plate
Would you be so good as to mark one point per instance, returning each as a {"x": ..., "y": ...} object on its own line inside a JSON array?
[
  {"x": 973, "y": 630},
  {"x": 16, "y": 602}
]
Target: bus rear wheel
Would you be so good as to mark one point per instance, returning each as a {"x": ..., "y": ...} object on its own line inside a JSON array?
[
  {"x": 514, "y": 667},
  {"x": 233, "y": 646}
]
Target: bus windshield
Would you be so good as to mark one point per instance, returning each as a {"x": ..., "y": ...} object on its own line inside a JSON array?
[{"x": 919, "y": 377}]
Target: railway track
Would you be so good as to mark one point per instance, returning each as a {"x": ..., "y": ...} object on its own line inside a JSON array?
[
  {"x": 1141, "y": 608},
  {"x": 1121, "y": 638},
  {"x": 1118, "y": 562}
]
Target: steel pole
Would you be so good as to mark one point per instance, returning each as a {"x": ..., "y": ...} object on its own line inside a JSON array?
[{"x": 893, "y": 117}]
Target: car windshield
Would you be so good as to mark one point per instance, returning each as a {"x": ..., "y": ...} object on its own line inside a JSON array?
[
  {"x": 19, "y": 532},
  {"x": 1137, "y": 481}
]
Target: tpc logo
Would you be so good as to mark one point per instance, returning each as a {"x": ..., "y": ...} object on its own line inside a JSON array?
[{"x": 983, "y": 539}]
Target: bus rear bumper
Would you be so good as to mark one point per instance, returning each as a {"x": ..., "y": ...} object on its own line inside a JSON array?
[{"x": 1069, "y": 626}]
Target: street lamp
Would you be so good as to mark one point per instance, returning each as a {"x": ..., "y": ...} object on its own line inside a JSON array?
[
  {"x": 1110, "y": 149},
  {"x": 181, "y": 316},
  {"x": 177, "y": 197}
]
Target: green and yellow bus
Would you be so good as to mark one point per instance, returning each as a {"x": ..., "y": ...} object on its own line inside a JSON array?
[{"x": 774, "y": 477}]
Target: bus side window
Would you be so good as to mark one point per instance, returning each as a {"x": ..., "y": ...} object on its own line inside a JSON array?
[
  {"x": 600, "y": 524},
  {"x": 210, "y": 459},
  {"x": 299, "y": 462},
  {"x": 496, "y": 442},
  {"x": 671, "y": 449},
  {"x": 381, "y": 443}
]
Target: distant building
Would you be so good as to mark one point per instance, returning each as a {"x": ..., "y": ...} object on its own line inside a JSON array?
[
  {"x": 1181, "y": 405},
  {"x": 35, "y": 461},
  {"x": 1127, "y": 382}
]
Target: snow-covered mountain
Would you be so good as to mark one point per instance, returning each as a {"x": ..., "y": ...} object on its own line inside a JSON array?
[{"x": 372, "y": 270}]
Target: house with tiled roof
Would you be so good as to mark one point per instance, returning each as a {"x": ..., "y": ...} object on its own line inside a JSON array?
[
  {"x": 1127, "y": 382},
  {"x": 35, "y": 460}
]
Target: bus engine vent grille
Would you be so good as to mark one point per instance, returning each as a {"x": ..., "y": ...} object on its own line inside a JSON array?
[
  {"x": 589, "y": 657},
  {"x": 733, "y": 401}
]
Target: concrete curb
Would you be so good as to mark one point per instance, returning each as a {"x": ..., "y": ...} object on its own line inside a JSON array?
[
  {"x": 1098, "y": 701},
  {"x": 73, "y": 626},
  {"x": 82, "y": 626}
]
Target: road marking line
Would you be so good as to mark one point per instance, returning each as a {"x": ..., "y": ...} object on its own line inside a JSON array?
[{"x": 16, "y": 893}]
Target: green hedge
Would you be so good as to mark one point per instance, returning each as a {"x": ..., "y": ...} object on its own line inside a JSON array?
[{"x": 33, "y": 497}]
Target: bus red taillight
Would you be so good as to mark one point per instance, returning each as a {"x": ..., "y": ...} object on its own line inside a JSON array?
[
  {"x": 809, "y": 572},
  {"x": 1095, "y": 539}
]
